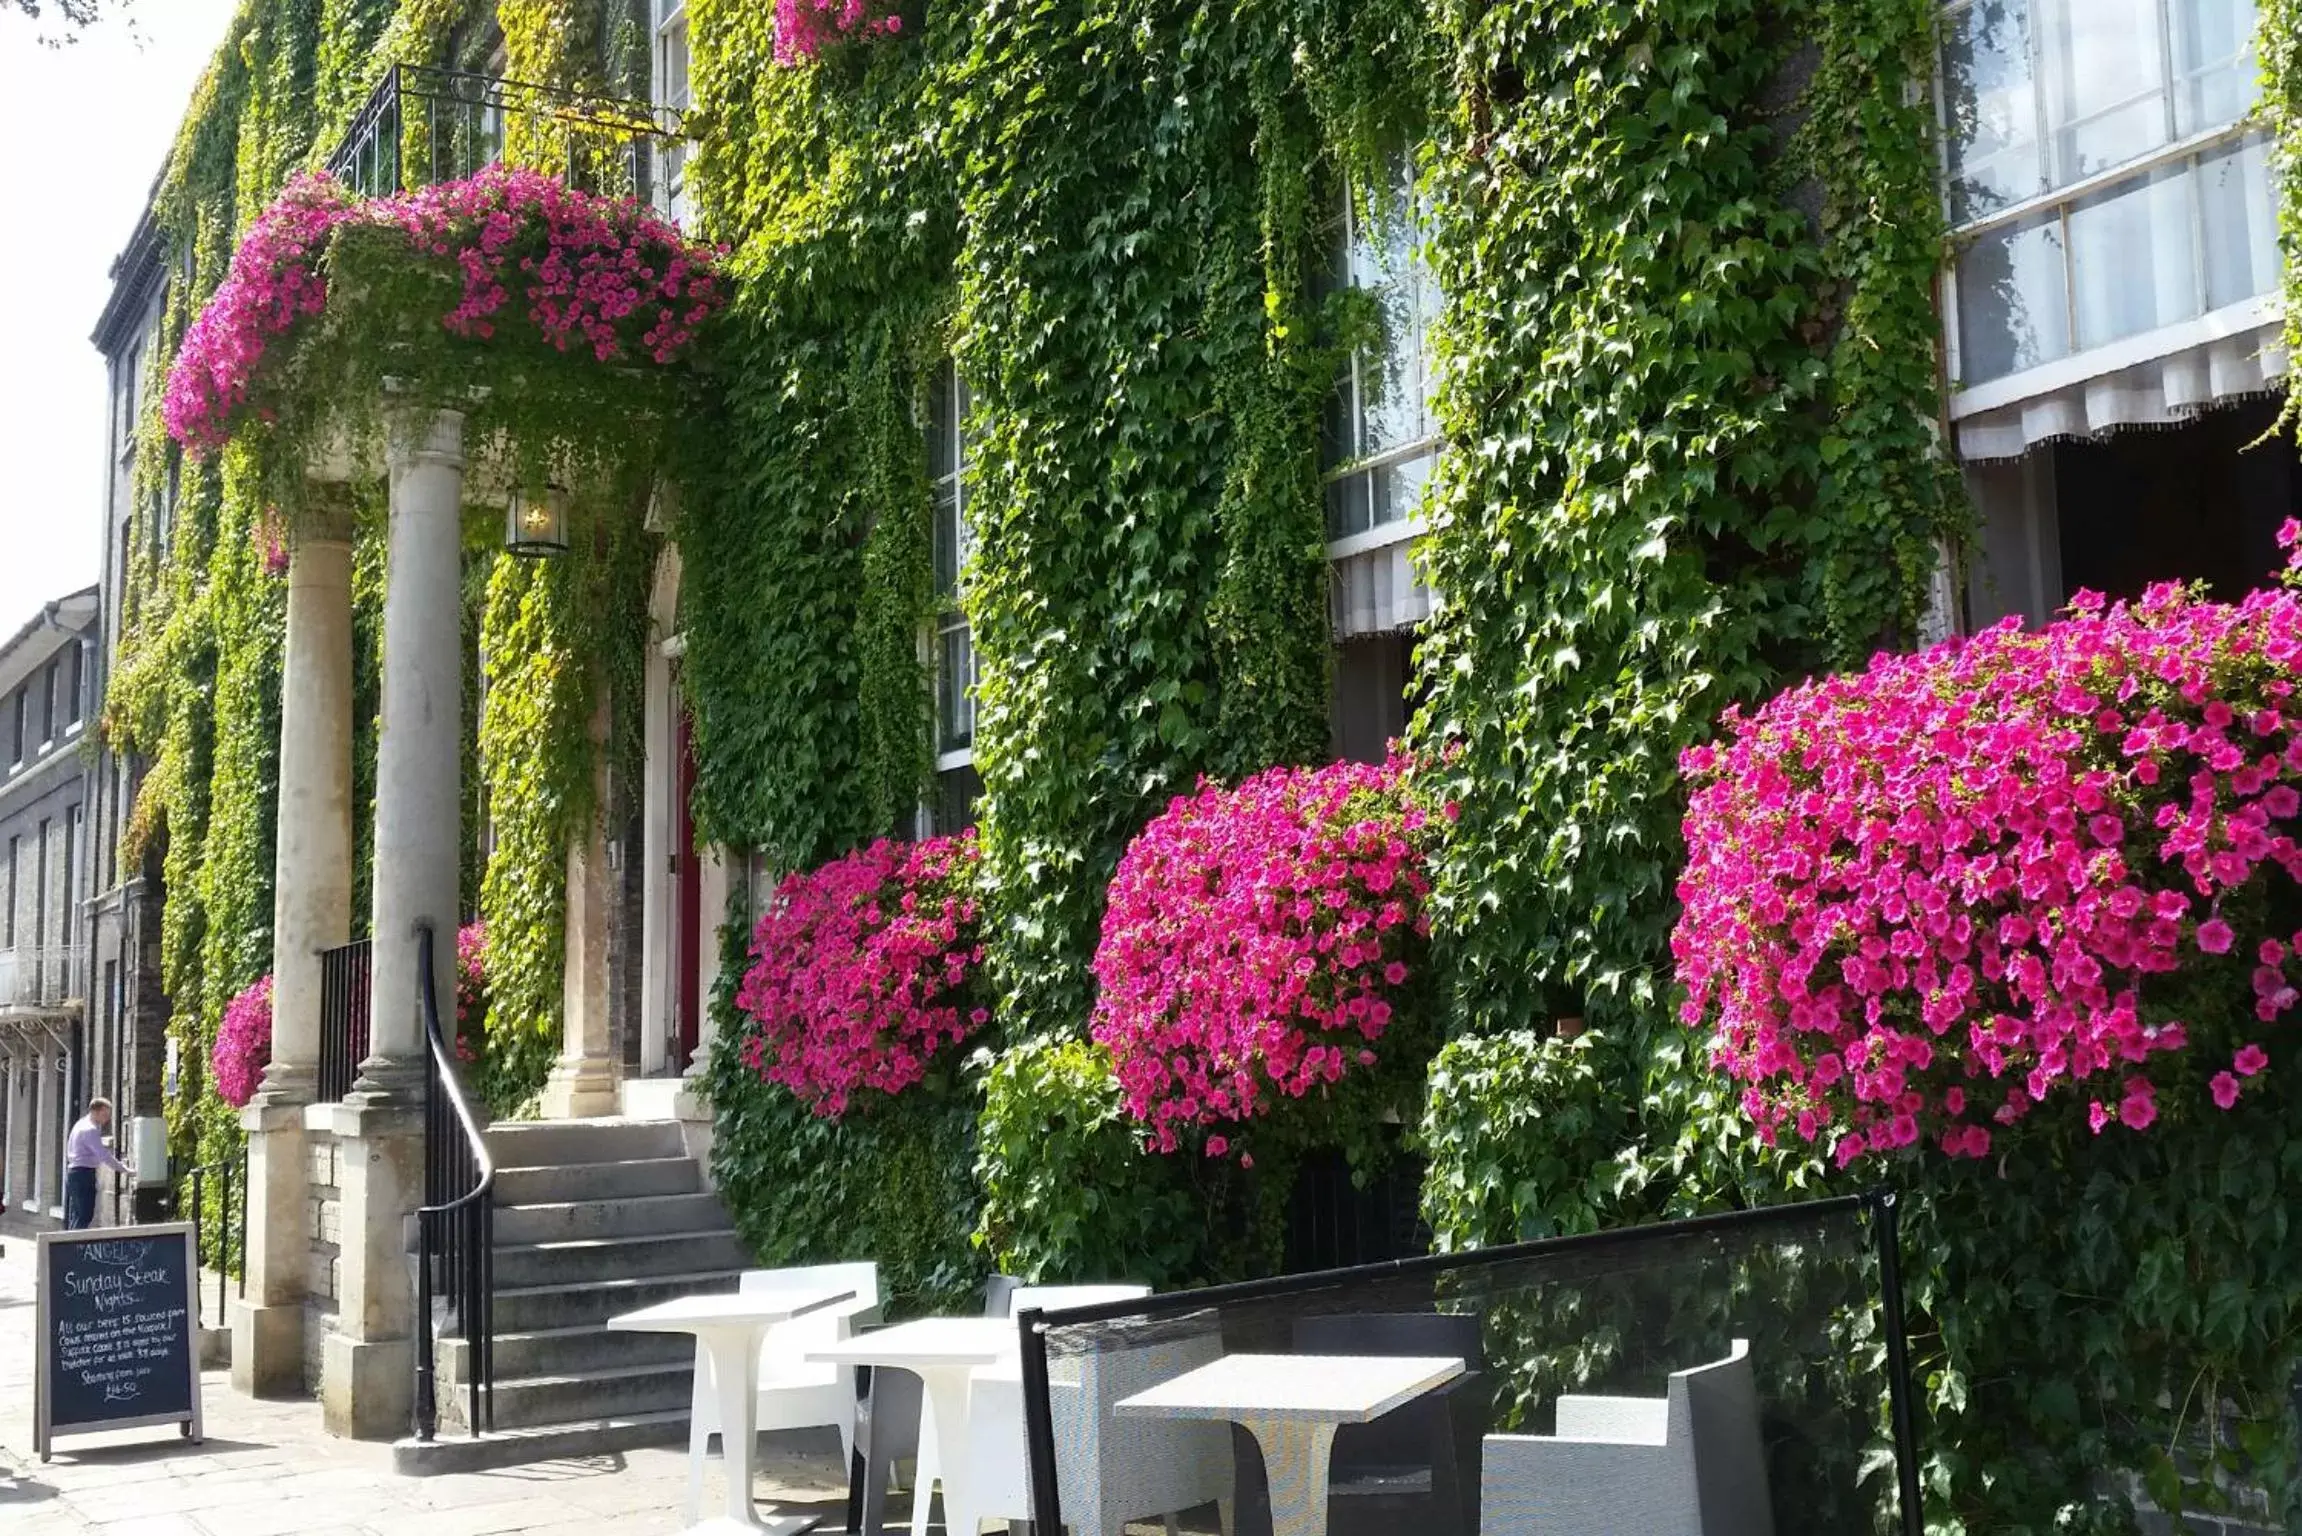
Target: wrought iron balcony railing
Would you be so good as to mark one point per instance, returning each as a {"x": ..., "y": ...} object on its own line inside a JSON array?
[{"x": 423, "y": 126}]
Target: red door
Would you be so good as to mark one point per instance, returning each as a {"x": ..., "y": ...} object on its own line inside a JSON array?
[{"x": 689, "y": 947}]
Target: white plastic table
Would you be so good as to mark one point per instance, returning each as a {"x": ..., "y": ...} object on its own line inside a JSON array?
[
  {"x": 728, "y": 1330},
  {"x": 942, "y": 1352},
  {"x": 1292, "y": 1405}
]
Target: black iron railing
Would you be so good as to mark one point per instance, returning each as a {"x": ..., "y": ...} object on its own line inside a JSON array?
[
  {"x": 423, "y": 126},
  {"x": 223, "y": 1245},
  {"x": 455, "y": 1228},
  {"x": 345, "y": 974}
]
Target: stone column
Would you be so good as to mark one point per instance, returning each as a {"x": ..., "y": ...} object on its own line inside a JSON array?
[
  {"x": 11, "y": 1130},
  {"x": 366, "y": 1362},
  {"x": 583, "y": 1082},
  {"x": 311, "y": 912}
]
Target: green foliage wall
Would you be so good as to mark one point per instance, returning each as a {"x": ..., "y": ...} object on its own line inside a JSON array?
[
  {"x": 1109, "y": 215},
  {"x": 1694, "y": 437}
]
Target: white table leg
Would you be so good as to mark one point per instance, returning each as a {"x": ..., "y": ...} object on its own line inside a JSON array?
[
  {"x": 946, "y": 1420},
  {"x": 1295, "y": 1453},
  {"x": 735, "y": 1375}
]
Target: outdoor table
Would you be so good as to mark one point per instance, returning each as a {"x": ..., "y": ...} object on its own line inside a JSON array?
[
  {"x": 1292, "y": 1405},
  {"x": 942, "y": 1352},
  {"x": 728, "y": 1331}
]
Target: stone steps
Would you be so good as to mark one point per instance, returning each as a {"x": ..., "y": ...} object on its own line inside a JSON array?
[{"x": 593, "y": 1218}]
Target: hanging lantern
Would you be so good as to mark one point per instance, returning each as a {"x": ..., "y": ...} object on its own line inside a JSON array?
[{"x": 537, "y": 525}]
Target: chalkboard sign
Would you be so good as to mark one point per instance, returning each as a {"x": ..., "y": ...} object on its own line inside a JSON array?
[{"x": 118, "y": 1331}]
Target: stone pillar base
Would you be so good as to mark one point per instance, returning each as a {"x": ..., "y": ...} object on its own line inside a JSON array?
[
  {"x": 366, "y": 1363},
  {"x": 367, "y": 1387},
  {"x": 268, "y": 1349},
  {"x": 580, "y": 1090}
]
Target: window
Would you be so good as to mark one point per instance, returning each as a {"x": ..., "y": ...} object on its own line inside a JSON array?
[
  {"x": 22, "y": 709},
  {"x": 49, "y": 680},
  {"x": 15, "y": 874},
  {"x": 671, "y": 91},
  {"x": 40, "y": 889},
  {"x": 124, "y": 403},
  {"x": 1382, "y": 434},
  {"x": 71, "y": 923},
  {"x": 76, "y": 683},
  {"x": 951, "y": 647},
  {"x": 2100, "y": 176}
]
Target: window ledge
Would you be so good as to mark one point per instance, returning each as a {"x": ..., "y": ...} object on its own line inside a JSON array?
[
  {"x": 1383, "y": 536},
  {"x": 948, "y": 762},
  {"x": 2115, "y": 357}
]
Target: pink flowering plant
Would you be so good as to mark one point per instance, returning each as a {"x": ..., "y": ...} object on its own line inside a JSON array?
[
  {"x": 2054, "y": 868},
  {"x": 243, "y": 1044},
  {"x": 480, "y": 281},
  {"x": 471, "y": 991},
  {"x": 805, "y": 28},
  {"x": 864, "y": 971},
  {"x": 1260, "y": 945}
]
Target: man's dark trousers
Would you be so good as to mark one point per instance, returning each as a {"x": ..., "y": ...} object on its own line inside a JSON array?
[{"x": 79, "y": 1197}]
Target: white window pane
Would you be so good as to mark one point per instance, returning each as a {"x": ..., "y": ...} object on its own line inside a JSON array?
[
  {"x": 1348, "y": 509},
  {"x": 1399, "y": 488},
  {"x": 674, "y": 84},
  {"x": 2133, "y": 257},
  {"x": 1391, "y": 382},
  {"x": 955, "y": 690},
  {"x": 2106, "y": 70},
  {"x": 1991, "y": 107},
  {"x": 2217, "y": 79},
  {"x": 2234, "y": 194},
  {"x": 2013, "y": 307},
  {"x": 948, "y": 550}
]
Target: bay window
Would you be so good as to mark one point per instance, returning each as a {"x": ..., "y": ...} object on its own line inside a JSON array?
[{"x": 2112, "y": 214}]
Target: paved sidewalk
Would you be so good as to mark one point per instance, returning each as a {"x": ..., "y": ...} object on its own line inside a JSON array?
[{"x": 267, "y": 1469}]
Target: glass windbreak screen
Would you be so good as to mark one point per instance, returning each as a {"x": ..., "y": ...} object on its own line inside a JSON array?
[{"x": 1729, "y": 1379}]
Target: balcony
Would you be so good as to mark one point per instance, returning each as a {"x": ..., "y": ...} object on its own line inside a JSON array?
[
  {"x": 424, "y": 126},
  {"x": 37, "y": 980}
]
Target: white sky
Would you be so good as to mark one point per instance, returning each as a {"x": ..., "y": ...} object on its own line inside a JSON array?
[{"x": 91, "y": 122}]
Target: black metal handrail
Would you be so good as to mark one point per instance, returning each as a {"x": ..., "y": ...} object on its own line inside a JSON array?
[
  {"x": 455, "y": 1228},
  {"x": 346, "y": 975},
  {"x": 221, "y": 1251},
  {"x": 460, "y": 120}
]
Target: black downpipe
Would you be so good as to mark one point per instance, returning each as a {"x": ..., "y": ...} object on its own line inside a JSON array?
[
  {"x": 1039, "y": 1425},
  {"x": 1886, "y": 1204}
]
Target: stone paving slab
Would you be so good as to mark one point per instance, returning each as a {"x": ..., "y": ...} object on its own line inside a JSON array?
[{"x": 268, "y": 1469}]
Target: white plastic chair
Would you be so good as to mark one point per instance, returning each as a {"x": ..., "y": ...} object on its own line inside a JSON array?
[
  {"x": 794, "y": 1392},
  {"x": 1690, "y": 1464},
  {"x": 1109, "y": 1470}
]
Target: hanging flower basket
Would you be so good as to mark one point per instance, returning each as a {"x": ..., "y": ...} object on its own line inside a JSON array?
[
  {"x": 2056, "y": 868},
  {"x": 1259, "y": 945},
  {"x": 541, "y": 310},
  {"x": 863, "y": 972},
  {"x": 805, "y": 28}
]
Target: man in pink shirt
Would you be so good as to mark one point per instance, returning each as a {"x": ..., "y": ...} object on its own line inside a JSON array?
[{"x": 84, "y": 1153}]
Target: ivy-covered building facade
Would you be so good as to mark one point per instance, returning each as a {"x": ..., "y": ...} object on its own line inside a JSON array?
[{"x": 1112, "y": 395}]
